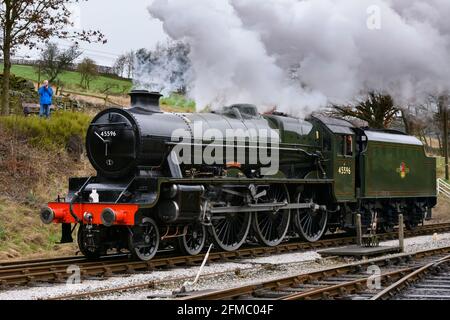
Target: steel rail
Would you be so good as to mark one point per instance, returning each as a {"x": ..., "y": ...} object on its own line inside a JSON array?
[
  {"x": 403, "y": 282},
  {"x": 344, "y": 288},
  {"x": 8, "y": 263}
]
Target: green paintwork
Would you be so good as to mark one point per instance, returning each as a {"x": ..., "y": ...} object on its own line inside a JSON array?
[
  {"x": 344, "y": 177},
  {"x": 343, "y": 171},
  {"x": 384, "y": 176}
]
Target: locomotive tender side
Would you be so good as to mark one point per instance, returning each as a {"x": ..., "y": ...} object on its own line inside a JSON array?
[
  {"x": 146, "y": 195},
  {"x": 396, "y": 176}
]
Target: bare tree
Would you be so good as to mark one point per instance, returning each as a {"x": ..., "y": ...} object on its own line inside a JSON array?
[
  {"x": 107, "y": 89},
  {"x": 30, "y": 22},
  {"x": 88, "y": 71},
  {"x": 54, "y": 61},
  {"x": 124, "y": 64},
  {"x": 119, "y": 65},
  {"x": 129, "y": 63},
  {"x": 443, "y": 111}
]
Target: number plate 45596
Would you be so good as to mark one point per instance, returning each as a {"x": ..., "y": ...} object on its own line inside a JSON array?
[
  {"x": 345, "y": 170},
  {"x": 108, "y": 133}
]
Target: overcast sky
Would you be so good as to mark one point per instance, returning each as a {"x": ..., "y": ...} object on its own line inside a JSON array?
[{"x": 126, "y": 24}]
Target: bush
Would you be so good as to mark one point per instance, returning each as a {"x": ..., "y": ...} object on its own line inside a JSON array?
[
  {"x": 2, "y": 233},
  {"x": 50, "y": 134},
  {"x": 179, "y": 101}
]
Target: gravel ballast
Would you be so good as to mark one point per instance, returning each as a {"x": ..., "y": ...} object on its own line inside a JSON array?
[{"x": 214, "y": 276}]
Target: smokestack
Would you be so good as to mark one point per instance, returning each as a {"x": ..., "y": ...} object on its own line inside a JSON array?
[{"x": 145, "y": 99}]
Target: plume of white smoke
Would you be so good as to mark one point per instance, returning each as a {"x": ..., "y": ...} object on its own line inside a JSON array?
[
  {"x": 165, "y": 69},
  {"x": 244, "y": 50},
  {"x": 230, "y": 63}
]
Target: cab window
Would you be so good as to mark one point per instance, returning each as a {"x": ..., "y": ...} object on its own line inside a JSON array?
[
  {"x": 345, "y": 145},
  {"x": 348, "y": 145},
  {"x": 326, "y": 143}
]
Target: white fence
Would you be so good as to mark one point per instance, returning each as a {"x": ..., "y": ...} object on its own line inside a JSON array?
[{"x": 443, "y": 188}]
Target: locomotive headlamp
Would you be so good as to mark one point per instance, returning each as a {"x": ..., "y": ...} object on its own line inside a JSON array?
[
  {"x": 47, "y": 215},
  {"x": 173, "y": 191},
  {"x": 87, "y": 216},
  {"x": 108, "y": 217}
]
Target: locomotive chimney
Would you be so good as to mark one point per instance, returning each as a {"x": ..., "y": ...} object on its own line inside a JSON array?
[{"x": 145, "y": 100}]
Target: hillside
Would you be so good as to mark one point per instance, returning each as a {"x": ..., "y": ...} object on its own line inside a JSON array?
[
  {"x": 71, "y": 80},
  {"x": 118, "y": 95}
]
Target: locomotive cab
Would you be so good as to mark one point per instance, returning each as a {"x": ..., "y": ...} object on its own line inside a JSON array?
[{"x": 339, "y": 148}]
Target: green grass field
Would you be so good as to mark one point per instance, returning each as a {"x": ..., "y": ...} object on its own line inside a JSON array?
[{"x": 71, "y": 80}]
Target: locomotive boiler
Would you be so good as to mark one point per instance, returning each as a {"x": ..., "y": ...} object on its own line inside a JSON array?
[{"x": 235, "y": 176}]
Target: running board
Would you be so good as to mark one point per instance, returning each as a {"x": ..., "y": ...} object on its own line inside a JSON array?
[{"x": 266, "y": 207}]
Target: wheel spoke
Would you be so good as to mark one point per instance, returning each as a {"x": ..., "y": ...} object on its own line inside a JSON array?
[
  {"x": 269, "y": 234},
  {"x": 265, "y": 226},
  {"x": 227, "y": 233},
  {"x": 305, "y": 216}
]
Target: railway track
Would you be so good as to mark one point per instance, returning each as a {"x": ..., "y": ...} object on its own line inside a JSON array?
[
  {"x": 357, "y": 281},
  {"x": 430, "y": 282},
  {"x": 55, "y": 270}
]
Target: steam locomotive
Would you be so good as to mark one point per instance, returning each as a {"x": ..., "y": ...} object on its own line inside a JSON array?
[{"x": 147, "y": 195}]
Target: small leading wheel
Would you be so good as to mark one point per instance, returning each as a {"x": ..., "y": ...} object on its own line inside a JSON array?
[
  {"x": 229, "y": 231},
  {"x": 193, "y": 242},
  {"x": 270, "y": 227},
  {"x": 311, "y": 223},
  {"x": 143, "y": 240},
  {"x": 88, "y": 239}
]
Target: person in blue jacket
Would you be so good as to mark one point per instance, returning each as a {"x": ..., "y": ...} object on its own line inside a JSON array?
[{"x": 45, "y": 99}]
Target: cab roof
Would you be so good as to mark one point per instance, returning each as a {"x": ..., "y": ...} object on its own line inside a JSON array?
[
  {"x": 335, "y": 125},
  {"x": 389, "y": 137},
  {"x": 341, "y": 126}
]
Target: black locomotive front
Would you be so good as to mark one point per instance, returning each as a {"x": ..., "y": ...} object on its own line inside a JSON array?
[{"x": 121, "y": 140}]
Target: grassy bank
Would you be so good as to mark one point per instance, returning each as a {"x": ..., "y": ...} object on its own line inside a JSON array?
[
  {"x": 21, "y": 232},
  {"x": 49, "y": 134},
  {"x": 71, "y": 80}
]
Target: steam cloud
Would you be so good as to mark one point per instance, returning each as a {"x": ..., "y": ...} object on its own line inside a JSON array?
[
  {"x": 302, "y": 54},
  {"x": 165, "y": 69}
]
